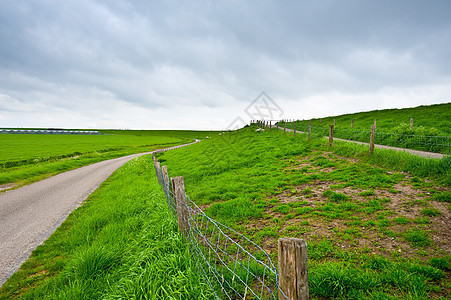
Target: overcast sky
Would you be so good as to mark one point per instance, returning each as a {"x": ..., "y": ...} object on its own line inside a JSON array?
[{"x": 201, "y": 64}]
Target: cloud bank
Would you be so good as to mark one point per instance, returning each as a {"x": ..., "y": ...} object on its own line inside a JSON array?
[{"x": 174, "y": 65}]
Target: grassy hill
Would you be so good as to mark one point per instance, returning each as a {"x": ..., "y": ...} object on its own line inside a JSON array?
[
  {"x": 436, "y": 116},
  {"x": 431, "y": 130}
]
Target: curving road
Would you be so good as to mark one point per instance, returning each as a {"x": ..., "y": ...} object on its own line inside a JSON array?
[{"x": 29, "y": 215}]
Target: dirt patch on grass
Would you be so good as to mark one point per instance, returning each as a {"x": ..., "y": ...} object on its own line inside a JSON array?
[{"x": 365, "y": 220}]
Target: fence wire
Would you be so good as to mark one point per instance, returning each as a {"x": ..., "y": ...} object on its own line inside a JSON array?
[
  {"x": 440, "y": 144},
  {"x": 232, "y": 265}
]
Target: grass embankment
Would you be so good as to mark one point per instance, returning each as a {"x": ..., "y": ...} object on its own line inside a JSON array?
[
  {"x": 123, "y": 243},
  {"x": 28, "y": 158},
  {"x": 437, "y": 116},
  {"x": 430, "y": 124},
  {"x": 376, "y": 227}
]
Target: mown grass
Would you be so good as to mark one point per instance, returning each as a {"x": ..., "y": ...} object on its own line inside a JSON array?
[
  {"x": 123, "y": 243},
  {"x": 27, "y": 158},
  {"x": 376, "y": 227}
]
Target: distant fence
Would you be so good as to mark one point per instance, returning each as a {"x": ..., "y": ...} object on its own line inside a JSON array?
[
  {"x": 232, "y": 265},
  {"x": 438, "y": 144},
  {"x": 39, "y": 131}
]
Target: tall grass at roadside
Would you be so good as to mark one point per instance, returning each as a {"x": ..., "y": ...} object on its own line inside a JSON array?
[
  {"x": 439, "y": 169},
  {"x": 123, "y": 243}
]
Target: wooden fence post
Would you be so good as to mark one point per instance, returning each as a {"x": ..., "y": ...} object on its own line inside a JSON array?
[
  {"x": 331, "y": 134},
  {"x": 178, "y": 187},
  {"x": 372, "y": 137},
  {"x": 334, "y": 122},
  {"x": 293, "y": 273},
  {"x": 309, "y": 130},
  {"x": 320, "y": 121},
  {"x": 411, "y": 123},
  {"x": 165, "y": 177},
  {"x": 352, "y": 123},
  {"x": 294, "y": 124},
  {"x": 284, "y": 127},
  {"x": 270, "y": 126},
  {"x": 277, "y": 126},
  {"x": 374, "y": 123}
]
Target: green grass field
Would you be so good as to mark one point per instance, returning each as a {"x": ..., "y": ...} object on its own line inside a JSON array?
[
  {"x": 376, "y": 227},
  {"x": 123, "y": 243},
  {"x": 25, "y": 158},
  {"x": 431, "y": 129},
  {"x": 437, "y": 116}
]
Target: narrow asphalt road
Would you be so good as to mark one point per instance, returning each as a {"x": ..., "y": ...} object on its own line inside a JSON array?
[{"x": 29, "y": 215}]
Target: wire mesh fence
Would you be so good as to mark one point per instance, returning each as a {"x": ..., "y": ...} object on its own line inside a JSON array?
[
  {"x": 439, "y": 144},
  {"x": 232, "y": 265}
]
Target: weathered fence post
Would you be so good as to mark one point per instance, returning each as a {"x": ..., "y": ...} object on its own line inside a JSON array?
[
  {"x": 178, "y": 187},
  {"x": 331, "y": 134},
  {"x": 411, "y": 123},
  {"x": 293, "y": 273},
  {"x": 374, "y": 123},
  {"x": 352, "y": 123},
  {"x": 270, "y": 122},
  {"x": 309, "y": 130},
  {"x": 165, "y": 177},
  {"x": 284, "y": 127},
  {"x": 334, "y": 122},
  {"x": 294, "y": 124},
  {"x": 277, "y": 126},
  {"x": 372, "y": 138}
]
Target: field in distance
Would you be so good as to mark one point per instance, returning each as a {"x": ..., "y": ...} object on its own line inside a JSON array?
[{"x": 26, "y": 158}]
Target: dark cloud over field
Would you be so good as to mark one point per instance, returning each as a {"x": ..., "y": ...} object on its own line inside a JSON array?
[{"x": 170, "y": 64}]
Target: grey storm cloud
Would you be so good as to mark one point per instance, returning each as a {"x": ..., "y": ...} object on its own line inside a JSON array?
[{"x": 210, "y": 55}]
